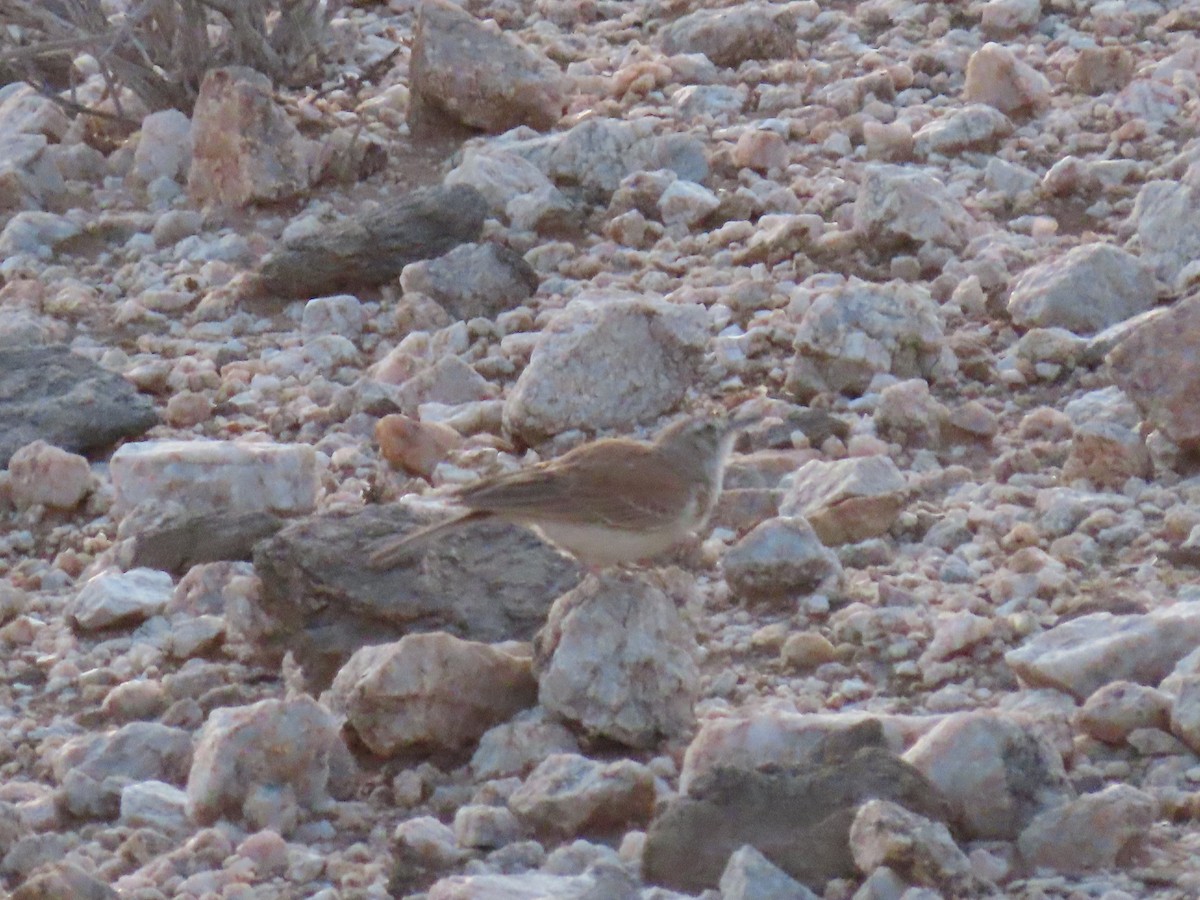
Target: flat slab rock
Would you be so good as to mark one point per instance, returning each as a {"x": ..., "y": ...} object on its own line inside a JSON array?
[
  {"x": 374, "y": 247},
  {"x": 54, "y": 395},
  {"x": 486, "y": 581},
  {"x": 799, "y": 820}
]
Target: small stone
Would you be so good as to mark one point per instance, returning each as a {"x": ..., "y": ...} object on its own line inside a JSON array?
[
  {"x": 807, "y": 650},
  {"x": 846, "y": 501},
  {"x": 732, "y": 35},
  {"x": 1157, "y": 367},
  {"x": 996, "y": 775},
  {"x": 760, "y": 150},
  {"x": 996, "y": 77},
  {"x": 416, "y": 447},
  {"x": 245, "y": 148},
  {"x": 751, "y": 876},
  {"x": 515, "y": 747},
  {"x": 188, "y": 408},
  {"x": 897, "y": 206},
  {"x": 430, "y": 691},
  {"x": 164, "y": 148},
  {"x": 121, "y": 598},
  {"x": 157, "y": 805},
  {"x": 1085, "y": 291},
  {"x": 782, "y": 557},
  {"x": 474, "y": 280},
  {"x": 887, "y": 834},
  {"x": 686, "y": 203},
  {"x": 1120, "y": 707},
  {"x": 266, "y": 763},
  {"x": 341, "y": 314},
  {"x": 1100, "y": 69},
  {"x": 95, "y": 768},
  {"x": 1089, "y": 833},
  {"x": 478, "y": 76},
  {"x": 608, "y": 361},
  {"x": 485, "y": 827},
  {"x": 43, "y": 474},
  {"x": 569, "y": 795},
  {"x": 1082, "y": 655}
]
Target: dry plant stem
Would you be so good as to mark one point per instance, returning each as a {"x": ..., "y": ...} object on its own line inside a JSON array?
[{"x": 161, "y": 50}]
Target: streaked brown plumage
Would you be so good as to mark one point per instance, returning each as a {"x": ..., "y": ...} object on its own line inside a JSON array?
[{"x": 612, "y": 501}]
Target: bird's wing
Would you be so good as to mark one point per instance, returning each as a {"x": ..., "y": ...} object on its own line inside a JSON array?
[{"x": 589, "y": 485}]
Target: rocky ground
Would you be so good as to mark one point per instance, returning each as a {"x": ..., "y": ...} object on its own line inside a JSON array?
[{"x": 942, "y": 638}]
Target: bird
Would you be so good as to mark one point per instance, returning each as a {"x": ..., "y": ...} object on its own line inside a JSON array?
[{"x": 608, "y": 502}]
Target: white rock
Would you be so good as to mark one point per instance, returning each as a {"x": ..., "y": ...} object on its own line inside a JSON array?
[
  {"x": 155, "y": 804},
  {"x": 1086, "y": 290},
  {"x": 341, "y": 315},
  {"x": 1081, "y": 655},
  {"x": 164, "y": 148},
  {"x": 227, "y": 476},
  {"x": 120, "y": 598},
  {"x": 685, "y": 202},
  {"x": 608, "y": 359}
]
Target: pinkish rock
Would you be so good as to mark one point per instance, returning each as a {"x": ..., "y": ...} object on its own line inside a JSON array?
[
  {"x": 479, "y": 76},
  {"x": 733, "y": 35},
  {"x": 996, "y": 774},
  {"x": 415, "y": 446},
  {"x": 1089, "y": 833},
  {"x": 267, "y": 764},
  {"x": 996, "y": 77},
  {"x": 43, "y": 474},
  {"x": 569, "y": 795},
  {"x": 1121, "y": 707},
  {"x": 1100, "y": 69},
  {"x": 245, "y": 149},
  {"x": 431, "y": 691},
  {"x": 1158, "y": 367},
  {"x": 848, "y": 500}
]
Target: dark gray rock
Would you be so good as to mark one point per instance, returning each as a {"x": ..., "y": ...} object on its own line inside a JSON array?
[
  {"x": 178, "y": 542},
  {"x": 731, "y": 36},
  {"x": 485, "y": 581},
  {"x": 799, "y": 820},
  {"x": 474, "y": 280},
  {"x": 373, "y": 248},
  {"x": 52, "y": 394}
]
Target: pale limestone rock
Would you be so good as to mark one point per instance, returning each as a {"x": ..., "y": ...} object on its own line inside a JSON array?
[
  {"x": 996, "y": 77},
  {"x": 230, "y": 476},
  {"x": 121, "y": 598},
  {"x": 244, "y": 147},
  {"x": 41, "y": 473},
  {"x": 267, "y": 764},
  {"x": 430, "y": 691},
  {"x": 856, "y": 330},
  {"x": 1157, "y": 366},
  {"x": 1082, "y": 655},
  {"x": 781, "y": 557},
  {"x": 1086, "y": 290},
  {"x": 897, "y": 205},
  {"x": 848, "y": 500},
  {"x": 608, "y": 361},
  {"x": 569, "y": 795},
  {"x": 996, "y": 774},
  {"x": 479, "y": 76},
  {"x": 617, "y": 658},
  {"x": 1089, "y": 833},
  {"x": 1120, "y": 707}
]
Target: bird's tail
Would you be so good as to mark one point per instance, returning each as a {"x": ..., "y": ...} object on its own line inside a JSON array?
[{"x": 389, "y": 552}]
